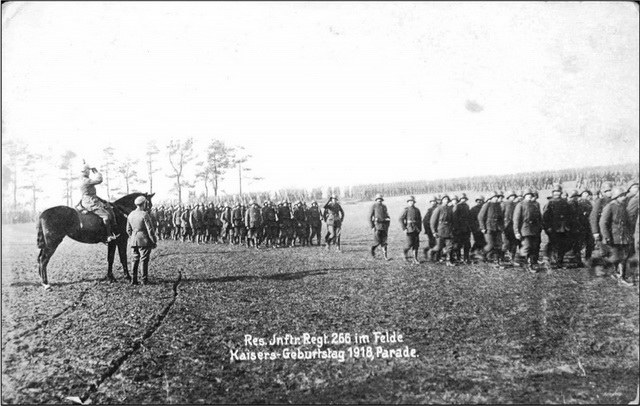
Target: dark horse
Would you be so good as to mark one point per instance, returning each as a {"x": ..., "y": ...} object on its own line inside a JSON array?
[{"x": 86, "y": 227}]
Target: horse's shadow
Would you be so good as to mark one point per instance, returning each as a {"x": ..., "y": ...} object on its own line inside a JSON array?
[
  {"x": 287, "y": 276},
  {"x": 22, "y": 284}
]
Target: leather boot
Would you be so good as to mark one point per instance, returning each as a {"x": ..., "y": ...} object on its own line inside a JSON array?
[
  {"x": 384, "y": 251},
  {"x": 134, "y": 276},
  {"x": 416, "y": 261},
  {"x": 145, "y": 273}
]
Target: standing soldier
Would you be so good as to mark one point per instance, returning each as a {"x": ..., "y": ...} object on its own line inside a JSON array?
[
  {"x": 237, "y": 219},
  {"x": 196, "y": 220},
  {"x": 177, "y": 223},
  {"x": 186, "y": 226},
  {"x": 442, "y": 226},
  {"x": 333, "y": 216},
  {"x": 411, "y": 221},
  {"x": 284, "y": 220},
  {"x": 462, "y": 227},
  {"x": 615, "y": 229},
  {"x": 227, "y": 223},
  {"x": 210, "y": 223},
  {"x": 270, "y": 224},
  {"x": 491, "y": 221},
  {"x": 557, "y": 220},
  {"x": 478, "y": 238},
  {"x": 426, "y": 225},
  {"x": 527, "y": 227},
  {"x": 299, "y": 223},
  {"x": 160, "y": 222},
  {"x": 142, "y": 238},
  {"x": 632, "y": 211},
  {"x": 594, "y": 219},
  {"x": 509, "y": 240},
  {"x": 315, "y": 221},
  {"x": 578, "y": 230},
  {"x": 380, "y": 221},
  {"x": 253, "y": 223},
  {"x": 585, "y": 208}
]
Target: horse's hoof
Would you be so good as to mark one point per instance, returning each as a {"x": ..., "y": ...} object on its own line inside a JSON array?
[{"x": 46, "y": 286}]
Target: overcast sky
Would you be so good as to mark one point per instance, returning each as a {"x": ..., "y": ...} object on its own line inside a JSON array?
[{"x": 328, "y": 93}]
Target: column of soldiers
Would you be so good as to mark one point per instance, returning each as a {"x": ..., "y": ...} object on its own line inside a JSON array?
[
  {"x": 271, "y": 225},
  {"x": 507, "y": 228}
]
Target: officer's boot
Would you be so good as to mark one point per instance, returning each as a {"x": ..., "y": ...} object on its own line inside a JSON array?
[
  {"x": 416, "y": 261},
  {"x": 109, "y": 237},
  {"x": 373, "y": 251},
  {"x": 145, "y": 273},
  {"x": 406, "y": 258},
  {"x": 134, "y": 276},
  {"x": 384, "y": 252},
  {"x": 448, "y": 259}
]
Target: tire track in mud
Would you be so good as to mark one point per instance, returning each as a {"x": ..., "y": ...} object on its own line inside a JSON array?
[
  {"x": 43, "y": 323},
  {"x": 148, "y": 332}
]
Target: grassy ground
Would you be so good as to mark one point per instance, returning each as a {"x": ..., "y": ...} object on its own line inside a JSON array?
[{"x": 481, "y": 335}]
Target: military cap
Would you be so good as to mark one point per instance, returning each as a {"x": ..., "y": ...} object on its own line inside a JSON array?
[
  {"x": 617, "y": 192},
  {"x": 433, "y": 199},
  {"x": 557, "y": 188},
  {"x": 510, "y": 193},
  {"x": 455, "y": 197},
  {"x": 496, "y": 193},
  {"x": 333, "y": 196},
  {"x": 606, "y": 186},
  {"x": 314, "y": 203},
  {"x": 140, "y": 200},
  {"x": 499, "y": 193},
  {"x": 378, "y": 197},
  {"x": 586, "y": 190},
  {"x": 85, "y": 168},
  {"x": 411, "y": 199},
  {"x": 252, "y": 202},
  {"x": 574, "y": 193},
  {"x": 463, "y": 196},
  {"x": 528, "y": 191},
  {"x": 188, "y": 207},
  {"x": 480, "y": 199},
  {"x": 631, "y": 184},
  {"x": 445, "y": 196}
]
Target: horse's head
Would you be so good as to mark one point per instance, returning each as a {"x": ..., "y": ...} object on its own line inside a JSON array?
[
  {"x": 148, "y": 205},
  {"x": 127, "y": 204}
]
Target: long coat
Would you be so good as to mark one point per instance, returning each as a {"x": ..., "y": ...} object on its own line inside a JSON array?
[
  {"x": 253, "y": 217},
  {"x": 334, "y": 215},
  {"x": 411, "y": 220},
  {"x": 140, "y": 228},
  {"x": 491, "y": 217},
  {"x": 527, "y": 219},
  {"x": 461, "y": 219},
  {"x": 442, "y": 221},
  {"x": 596, "y": 213},
  {"x": 90, "y": 199},
  {"x": 558, "y": 216},
  {"x": 426, "y": 221},
  {"x": 379, "y": 217},
  {"x": 614, "y": 224}
]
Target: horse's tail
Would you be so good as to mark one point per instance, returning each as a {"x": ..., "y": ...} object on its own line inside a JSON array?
[{"x": 42, "y": 243}]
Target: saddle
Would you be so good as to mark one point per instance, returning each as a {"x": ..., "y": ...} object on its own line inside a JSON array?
[{"x": 81, "y": 209}]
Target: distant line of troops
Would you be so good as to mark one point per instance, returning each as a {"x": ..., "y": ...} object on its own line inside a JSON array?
[
  {"x": 507, "y": 227},
  {"x": 280, "y": 225}
]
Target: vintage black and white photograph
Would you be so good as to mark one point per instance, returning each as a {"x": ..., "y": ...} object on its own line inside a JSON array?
[{"x": 320, "y": 202}]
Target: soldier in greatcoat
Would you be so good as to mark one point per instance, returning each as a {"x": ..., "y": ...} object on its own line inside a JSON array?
[
  {"x": 285, "y": 224},
  {"x": 300, "y": 223},
  {"x": 253, "y": 223},
  {"x": 379, "y": 220},
  {"x": 594, "y": 218},
  {"x": 557, "y": 221},
  {"x": 615, "y": 229},
  {"x": 577, "y": 232},
  {"x": 442, "y": 226},
  {"x": 586, "y": 238},
  {"x": 227, "y": 223},
  {"x": 491, "y": 220},
  {"x": 632, "y": 210},
  {"x": 315, "y": 222},
  {"x": 92, "y": 202},
  {"x": 462, "y": 228},
  {"x": 509, "y": 241},
  {"x": 527, "y": 227},
  {"x": 333, "y": 217},
  {"x": 426, "y": 226},
  {"x": 142, "y": 238},
  {"x": 187, "y": 232},
  {"x": 478, "y": 237},
  {"x": 270, "y": 220},
  {"x": 237, "y": 219},
  {"x": 411, "y": 221},
  {"x": 177, "y": 223}
]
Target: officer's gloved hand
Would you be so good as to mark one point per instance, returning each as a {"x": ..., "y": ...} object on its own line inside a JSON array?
[
  {"x": 596, "y": 236},
  {"x": 518, "y": 236}
]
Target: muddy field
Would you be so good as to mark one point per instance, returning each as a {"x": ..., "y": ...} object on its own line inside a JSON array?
[{"x": 480, "y": 334}]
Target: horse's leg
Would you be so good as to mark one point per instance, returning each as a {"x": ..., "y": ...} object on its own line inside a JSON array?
[
  {"x": 111, "y": 253},
  {"x": 43, "y": 260},
  {"x": 122, "y": 252}
]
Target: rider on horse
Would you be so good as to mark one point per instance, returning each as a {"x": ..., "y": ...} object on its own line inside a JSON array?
[{"x": 92, "y": 202}]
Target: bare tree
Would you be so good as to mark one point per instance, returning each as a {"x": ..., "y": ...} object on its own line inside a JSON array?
[
  {"x": 33, "y": 177},
  {"x": 13, "y": 152},
  {"x": 239, "y": 160},
  {"x": 67, "y": 167},
  {"x": 128, "y": 172},
  {"x": 219, "y": 160},
  {"x": 152, "y": 151},
  {"x": 180, "y": 154}
]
